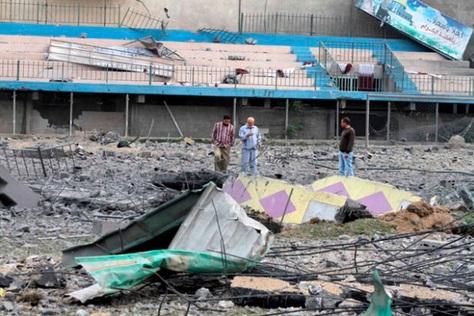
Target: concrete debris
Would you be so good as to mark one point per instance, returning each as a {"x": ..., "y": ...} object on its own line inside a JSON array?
[
  {"x": 421, "y": 216},
  {"x": 467, "y": 197},
  {"x": 456, "y": 142},
  {"x": 126, "y": 143},
  {"x": 46, "y": 277},
  {"x": 14, "y": 193},
  {"x": 104, "y": 137},
  {"x": 5, "y": 281},
  {"x": 189, "y": 180},
  {"x": 352, "y": 211},
  {"x": 427, "y": 272},
  {"x": 203, "y": 294}
]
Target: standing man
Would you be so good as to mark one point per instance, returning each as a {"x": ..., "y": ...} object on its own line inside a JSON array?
[
  {"x": 345, "y": 148},
  {"x": 223, "y": 136},
  {"x": 251, "y": 141}
]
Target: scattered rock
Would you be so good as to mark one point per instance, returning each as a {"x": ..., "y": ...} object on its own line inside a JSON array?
[
  {"x": 456, "y": 142},
  {"x": 467, "y": 197},
  {"x": 82, "y": 312},
  {"x": 420, "y": 216},
  {"x": 352, "y": 211},
  {"x": 48, "y": 278},
  {"x": 5, "y": 281},
  {"x": 7, "y": 306},
  {"x": 203, "y": 294},
  {"x": 225, "y": 304}
]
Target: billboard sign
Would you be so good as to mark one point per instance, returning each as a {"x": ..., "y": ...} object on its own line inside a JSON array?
[{"x": 421, "y": 22}]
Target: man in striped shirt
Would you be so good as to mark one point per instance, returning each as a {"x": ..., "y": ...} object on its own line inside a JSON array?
[{"x": 223, "y": 136}]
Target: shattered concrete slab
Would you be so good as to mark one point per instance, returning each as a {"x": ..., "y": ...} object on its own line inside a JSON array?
[
  {"x": 292, "y": 204},
  {"x": 15, "y": 193},
  {"x": 379, "y": 198}
]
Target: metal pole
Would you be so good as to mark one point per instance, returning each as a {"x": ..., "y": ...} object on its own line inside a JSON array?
[
  {"x": 389, "y": 115},
  {"x": 71, "y": 105},
  {"x": 234, "y": 112},
  {"x": 14, "y": 112},
  {"x": 337, "y": 119},
  {"x": 127, "y": 101},
  {"x": 367, "y": 122},
  {"x": 436, "y": 122},
  {"x": 239, "y": 10},
  {"x": 287, "y": 114}
]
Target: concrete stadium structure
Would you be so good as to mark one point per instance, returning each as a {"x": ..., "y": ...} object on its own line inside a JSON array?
[{"x": 291, "y": 83}]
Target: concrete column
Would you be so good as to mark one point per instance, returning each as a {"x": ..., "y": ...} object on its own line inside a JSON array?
[
  {"x": 337, "y": 119},
  {"x": 234, "y": 113},
  {"x": 436, "y": 122},
  {"x": 467, "y": 108},
  {"x": 367, "y": 122},
  {"x": 71, "y": 108},
  {"x": 127, "y": 113},
  {"x": 14, "y": 113},
  {"x": 287, "y": 110},
  {"x": 389, "y": 117}
]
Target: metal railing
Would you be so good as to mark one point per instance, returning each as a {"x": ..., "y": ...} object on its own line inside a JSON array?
[
  {"x": 443, "y": 85},
  {"x": 402, "y": 82},
  {"x": 43, "y": 12},
  {"x": 38, "y": 162},
  {"x": 357, "y": 83},
  {"x": 139, "y": 20},
  {"x": 356, "y": 52},
  {"x": 354, "y": 25},
  {"x": 52, "y": 71}
]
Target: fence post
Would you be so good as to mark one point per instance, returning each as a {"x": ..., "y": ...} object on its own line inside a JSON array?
[
  {"x": 367, "y": 121},
  {"x": 105, "y": 13},
  {"x": 192, "y": 76},
  {"x": 150, "y": 69},
  {"x": 17, "y": 70},
  {"x": 436, "y": 122},
  {"x": 37, "y": 13},
  {"x": 119, "y": 12},
  {"x": 241, "y": 23},
  {"x": 276, "y": 23},
  {"x": 62, "y": 71},
  {"x": 71, "y": 111},
  {"x": 107, "y": 74},
  {"x": 311, "y": 23},
  {"x": 389, "y": 117},
  {"x": 46, "y": 12},
  {"x": 14, "y": 112},
  {"x": 40, "y": 155},
  {"x": 352, "y": 52},
  {"x": 432, "y": 84},
  {"x": 78, "y": 14}
]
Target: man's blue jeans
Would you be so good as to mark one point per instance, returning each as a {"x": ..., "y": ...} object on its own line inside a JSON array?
[
  {"x": 249, "y": 161},
  {"x": 345, "y": 164}
]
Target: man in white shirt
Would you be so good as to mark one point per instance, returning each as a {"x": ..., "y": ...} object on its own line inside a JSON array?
[{"x": 251, "y": 141}]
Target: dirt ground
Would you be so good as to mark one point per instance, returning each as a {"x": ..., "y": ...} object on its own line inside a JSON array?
[{"x": 113, "y": 184}]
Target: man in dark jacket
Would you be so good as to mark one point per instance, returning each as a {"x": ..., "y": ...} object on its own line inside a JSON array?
[{"x": 345, "y": 148}]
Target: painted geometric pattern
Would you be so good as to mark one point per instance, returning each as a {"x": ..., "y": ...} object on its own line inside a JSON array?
[
  {"x": 277, "y": 204},
  {"x": 337, "y": 188},
  {"x": 376, "y": 203},
  {"x": 238, "y": 191}
]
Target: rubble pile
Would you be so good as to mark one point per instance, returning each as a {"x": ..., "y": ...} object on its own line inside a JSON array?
[
  {"x": 420, "y": 216},
  {"x": 107, "y": 200}
]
